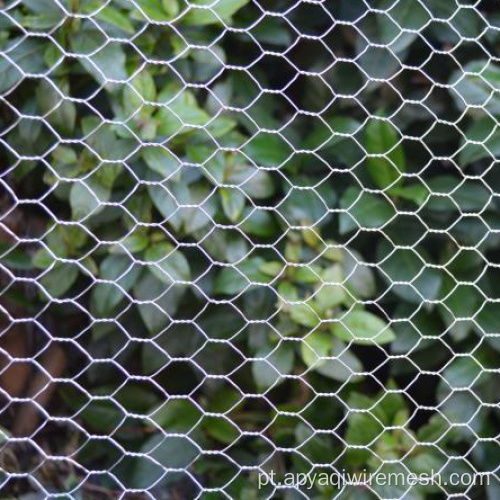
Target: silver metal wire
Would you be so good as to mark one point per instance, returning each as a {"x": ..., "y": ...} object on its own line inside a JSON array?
[{"x": 196, "y": 245}]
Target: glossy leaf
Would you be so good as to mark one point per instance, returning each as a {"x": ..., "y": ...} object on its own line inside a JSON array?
[
  {"x": 169, "y": 264},
  {"x": 23, "y": 56},
  {"x": 382, "y": 140},
  {"x": 104, "y": 61},
  {"x": 217, "y": 12},
  {"x": 330, "y": 357},
  {"x": 279, "y": 362},
  {"x": 481, "y": 141},
  {"x": 233, "y": 202},
  {"x": 364, "y": 210},
  {"x": 59, "y": 279},
  {"x": 477, "y": 86},
  {"x": 362, "y": 327},
  {"x": 117, "y": 269}
]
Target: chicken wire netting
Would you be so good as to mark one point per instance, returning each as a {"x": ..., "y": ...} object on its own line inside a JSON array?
[{"x": 249, "y": 249}]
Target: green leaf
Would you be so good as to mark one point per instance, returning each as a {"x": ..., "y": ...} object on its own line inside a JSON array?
[
  {"x": 272, "y": 268},
  {"x": 86, "y": 198},
  {"x": 452, "y": 193},
  {"x": 104, "y": 61},
  {"x": 115, "y": 18},
  {"x": 61, "y": 112},
  {"x": 233, "y": 202},
  {"x": 177, "y": 415},
  {"x": 420, "y": 281},
  {"x": 484, "y": 131},
  {"x": 462, "y": 372},
  {"x": 143, "y": 88},
  {"x": 256, "y": 184},
  {"x": 158, "y": 10},
  {"x": 362, "y": 430},
  {"x": 170, "y": 265},
  {"x": 304, "y": 315},
  {"x": 335, "y": 141},
  {"x": 40, "y": 22},
  {"x": 382, "y": 138},
  {"x": 386, "y": 30},
  {"x": 159, "y": 301},
  {"x": 29, "y": 129},
  {"x": 197, "y": 218},
  {"x": 477, "y": 88},
  {"x": 160, "y": 160},
  {"x": 159, "y": 453},
  {"x": 288, "y": 291},
  {"x": 410, "y": 327},
  {"x": 180, "y": 113},
  {"x": 315, "y": 346},
  {"x": 459, "y": 406},
  {"x": 20, "y": 57},
  {"x": 185, "y": 107},
  {"x": 360, "y": 279},
  {"x": 231, "y": 282},
  {"x": 220, "y": 126},
  {"x": 435, "y": 429},
  {"x": 377, "y": 63},
  {"x": 221, "y": 429},
  {"x": 106, "y": 175},
  {"x": 171, "y": 7},
  {"x": 342, "y": 367},
  {"x": 332, "y": 293},
  {"x": 280, "y": 362},
  {"x": 42, "y": 6},
  {"x": 417, "y": 193},
  {"x": 123, "y": 275},
  {"x": 101, "y": 415},
  {"x": 15, "y": 258},
  {"x": 136, "y": 397},
  {"x": 227, "y": 397},
  {"x": 306, "y": 275},
  {"x": 64, "y": 240},
  {"x": 327, "y": 137},
  {"x": 409, "y": 15},
  {"x": 268, "y": 150},
  {"x": 461, "y": 302},
  {"x": 219, "y": 10},
  {"x": 303, "y": 206},
  {"x": 362, "y": 327},
  {"x": 207, "y": 64},
  {"x": 102, "y": 139},
  {"x": 193, "y": 218},
  {"x": 272, "y": 30},
  {"x": 59, "y": 279},
  {"x": 226, "y": 246},
  {"x": 211, "y": 161},
  {"x": 66, "y": 162},
  {"x": 391, "y": 406},
  {"x": 487, "y": 323},
  {"x": 134, "y": 242},
  {"x": 165, "y": 202},
  {"x": 258, "y": 222},
  {"x": 364, "y": 210}
]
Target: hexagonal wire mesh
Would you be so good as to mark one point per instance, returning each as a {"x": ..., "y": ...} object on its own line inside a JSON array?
[{"x": 249, "y": 249}]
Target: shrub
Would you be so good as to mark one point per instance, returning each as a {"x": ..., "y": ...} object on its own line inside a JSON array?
[{"x": 242, "y": 224}]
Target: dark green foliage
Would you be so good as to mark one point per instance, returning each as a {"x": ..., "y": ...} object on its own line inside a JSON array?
[{"x": 216, "y": 264}]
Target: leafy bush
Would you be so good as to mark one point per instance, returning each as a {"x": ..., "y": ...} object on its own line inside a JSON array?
[{"x": 240, "y": 235}]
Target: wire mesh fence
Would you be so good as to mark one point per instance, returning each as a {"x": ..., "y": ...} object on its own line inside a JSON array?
[{"x": 249, "y": 249}]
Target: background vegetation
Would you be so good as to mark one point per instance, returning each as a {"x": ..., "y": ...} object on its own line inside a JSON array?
[{"x": 225, "y": 229}]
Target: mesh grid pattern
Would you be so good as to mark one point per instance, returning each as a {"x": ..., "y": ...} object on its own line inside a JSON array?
[{"x": 242, "y": 236}]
